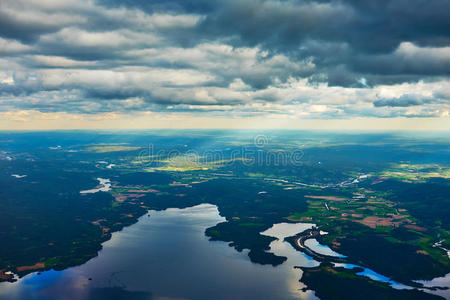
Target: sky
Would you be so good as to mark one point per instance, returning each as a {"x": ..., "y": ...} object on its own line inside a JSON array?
[{"x": 319, "y": 64}]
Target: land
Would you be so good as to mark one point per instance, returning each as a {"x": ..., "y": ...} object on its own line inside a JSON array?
[
  {"x": 374, "y": 222},
  {"x": 370, "y": 202},
  {"x": 340, "y": 283},
  {"x": 110, "y": 148}
]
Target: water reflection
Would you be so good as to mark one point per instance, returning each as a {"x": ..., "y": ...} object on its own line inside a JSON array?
[
  {"x": 104, "y": 186},
  {"x": 438, "y": 282},
  {"x": 294, "y": 257},
  {"x": 374, "y": 276},
  {"x": 167, "y": 255},
  {"x": 315, "y": 246}
]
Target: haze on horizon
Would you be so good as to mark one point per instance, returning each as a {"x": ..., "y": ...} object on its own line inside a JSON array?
[{"x": 225, "y": 64}]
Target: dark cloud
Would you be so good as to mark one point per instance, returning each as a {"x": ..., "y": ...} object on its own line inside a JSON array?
[
  {"x": 362, "y": 36},
  {"x": 213, "y": 52},
  {"x": 23, "y": 30},
  {"x": 193, "y": 6},
  {"x": 403, "y": 101},
  {"x": 372, "y": 26}
]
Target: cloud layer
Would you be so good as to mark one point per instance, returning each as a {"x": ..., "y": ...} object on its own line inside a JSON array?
[{"x": 292, "y": 58}]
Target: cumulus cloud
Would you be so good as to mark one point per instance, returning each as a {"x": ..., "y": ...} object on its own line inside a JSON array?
[{"x": 313, "y": 58}]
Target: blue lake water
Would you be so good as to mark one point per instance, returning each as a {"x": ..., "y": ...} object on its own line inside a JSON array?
[
  {"x": 168, "y": 256},
  {"x": 373, "y": 275},
  {"x": 314, "y": 245}
]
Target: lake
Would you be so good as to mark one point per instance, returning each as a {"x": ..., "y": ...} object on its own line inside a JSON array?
[{"x": 166, "y": 255}]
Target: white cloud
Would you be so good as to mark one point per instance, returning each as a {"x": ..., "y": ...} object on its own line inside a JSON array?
[
  {"x": 8, "y": 46},
  {"x": 81, "y": 56}
]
